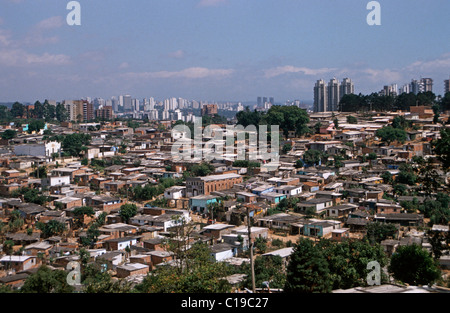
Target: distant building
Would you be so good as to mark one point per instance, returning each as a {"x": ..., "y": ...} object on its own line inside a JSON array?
[
  {"x": 105, "y": 113},
  {"x": 422, "y": 85},
  {"x": 333, "y": 95},
  {"x": 328, "y": 96},
  {"x": 209, "y": 109},
  {"x": 205, "y": 185},
  {"x": 347, "y": 87},
  {"x": 44, "y": 149},
  {"x": 79, "y": 110},
  {"x": 320, "y": 96}
]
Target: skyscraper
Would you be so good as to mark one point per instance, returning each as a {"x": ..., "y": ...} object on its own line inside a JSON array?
[
  {"x": 127, "y": 105},
  {"x": 415, "y": 86},
  {"x": 389, "y": 90},
  {"x": 259, "y": 102},
  {"x": 320, "y": 96},
  {"x": 333, "y": 95},
  {"x": 422, "y": 85},
  {"x": 347, "y": 87},
  {"x": 404, "y": 89},
  {"x": 135, "y": 105},
  {"x": 427, "y": 84},
  {"x": 447, "y": 85}
]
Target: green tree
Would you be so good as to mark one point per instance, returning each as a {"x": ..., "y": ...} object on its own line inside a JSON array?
[
  {"x": 91, "y": 236},
  {"x": 80, "y": 212},
  {"x": 353, "y": 103},
  {"x": 52, "y": 228},
  {"x": 127, "y": 211},
  {"x": 201, "y": 275},
  {"x": 436, "y": 110},
  {"x": 38, "y": 111},
  {"x": 5, "y": 113},
  {"x": 429, "y": 178},
  {"x": 426, "y": 98},
  {"x": 410, "y": 206},
  {"x": 400, "y": 189},
  {"x": 9, "y": 134},
  {"x": 247, "y": 117},
  {"x": 74, "y": 144},
  {"x": 267, "y": 269},
  {"x": 202, "y": 169},
  {"x": 286, "y": 148},
  {"x": 35, "y": 125},
  {"x": 288, "y": 118},
  {"x": 414, "y": 265},
  {"x": 307, "y": 271},
  {"x": 49, "y": 111},
  {"x": 352, "y": 120},
  {"x": 445, "y": 102},
  {"x": 377, "y": 232},
  {"x": 400, "y": 122},
  {"x": 440, "y": 242},
  {"x": 61, "y": 113},
  {"x": 17, "y": 110},
  {"x": 299, "y": 164},
  {"x": 96, "y": 280},
  {"x": 442, "y": 148},
  {"x": 387, "y": 177},
  {"x": 407, "y": 175},
  {"x": 405, "y": 100},
  {"x": 46, "y": 281},
  {"x": 313, "y": 157},
  {"x": 336, "y": 123},
  {"x": 372, "y": 156},
  {"x": 261, "y": 245},
  {"x": 347, "y": 261},
  {"x": 388, "y": 134},
  {"x": 8, "y": 247},
  {"x": 30, "y": 195},
  {"x": 40, "y": 172}
]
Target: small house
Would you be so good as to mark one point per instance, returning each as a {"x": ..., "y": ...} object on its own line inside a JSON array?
[{"x": 130, "y": 269}]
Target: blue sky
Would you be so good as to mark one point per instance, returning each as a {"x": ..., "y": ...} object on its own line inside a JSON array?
[{"x": 217, "y": 50}]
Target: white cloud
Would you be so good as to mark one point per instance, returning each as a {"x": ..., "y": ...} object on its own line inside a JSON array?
[
  {"x": 124, "y": 65},
  {"x": 179, "y": 54},
  {"x": 19, "y": 57},
  {"x": 440, "y": 64},
  {"x": 189, "y": 73},
  {"x": 5, "y": 38},
  {"x": 282, "y": 70},
  {"x": 37, "y": 35},
  {"x": 51, "y": 23}
]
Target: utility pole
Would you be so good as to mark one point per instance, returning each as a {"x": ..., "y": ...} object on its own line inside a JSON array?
[{"x": 250, "y": 242}]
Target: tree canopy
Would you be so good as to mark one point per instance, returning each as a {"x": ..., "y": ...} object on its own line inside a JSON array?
[
  {"x": 307, "y": 271},
  {"x": 389, "y": 134},
  {"x": 288, "y": 118},
  {"x": 442, "y": 148},
  {"x": 414, "y": 265}
]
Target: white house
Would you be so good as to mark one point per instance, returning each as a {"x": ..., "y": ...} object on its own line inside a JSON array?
[
  {"x": 223, "y": 251},
  {"x": 289, "y": 190},
  {"x": 175, "y": 192},
  {"x": 52, "y": 181},
  {"x": 44, "y": 149},
  {"x": 121, "y": 243}
]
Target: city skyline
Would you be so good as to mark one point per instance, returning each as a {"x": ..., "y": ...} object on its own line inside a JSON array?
[{"x": 216, "y": 50}]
